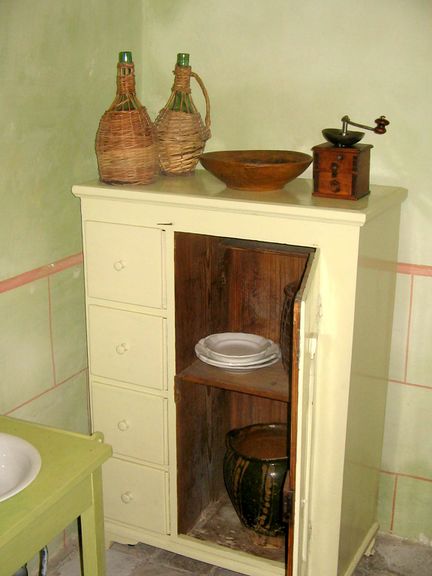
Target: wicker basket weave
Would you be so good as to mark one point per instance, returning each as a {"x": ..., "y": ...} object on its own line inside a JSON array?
[
  {"x": 126, "y": 143},
  {"x": 182, "y": 135}
]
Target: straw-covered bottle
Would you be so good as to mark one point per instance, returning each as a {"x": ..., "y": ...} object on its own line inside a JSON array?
[
  {"x": 126, "y": 143},
  {"x": 181, "y": 132}
]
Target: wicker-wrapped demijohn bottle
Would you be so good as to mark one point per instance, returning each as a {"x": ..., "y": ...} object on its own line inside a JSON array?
[
  {"x": 126, "y": 142},
  {"x": 181, "y": 132}
]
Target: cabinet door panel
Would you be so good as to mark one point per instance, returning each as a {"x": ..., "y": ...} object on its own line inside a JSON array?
[
  {"x": 305, "y": 327},
  {"x": 136, "y": 495},
  {"x": 127, "y": 346},
  {"x": 132, "y": 422},
  {"x": 124, "y": 263}
]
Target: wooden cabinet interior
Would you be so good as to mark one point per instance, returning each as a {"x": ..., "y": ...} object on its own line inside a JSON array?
[{"x": 226, "y": 285}]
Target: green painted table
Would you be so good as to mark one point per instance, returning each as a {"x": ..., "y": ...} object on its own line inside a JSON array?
[{"x": 68, "y": 486}]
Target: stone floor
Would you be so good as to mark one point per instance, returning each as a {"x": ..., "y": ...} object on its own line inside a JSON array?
[{"x": 392, "y": 557}]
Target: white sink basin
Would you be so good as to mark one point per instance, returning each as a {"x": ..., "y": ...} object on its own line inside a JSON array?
[{"x": 20, "y": 463}]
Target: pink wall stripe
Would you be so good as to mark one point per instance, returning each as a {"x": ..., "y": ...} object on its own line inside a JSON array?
[
  {"x": 53, "y": 387},
  {"x": 42, "y": 272},
  {"x": 69, "y": 261},
  {"x": 414, "y": 269}
]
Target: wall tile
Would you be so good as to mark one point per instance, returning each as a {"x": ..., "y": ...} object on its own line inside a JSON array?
[
  {"x": 419, "y": 354},
  {"x": 400, "y": 327},
  {"x": 63, "y": 407},
  {"x": 385, "y": 501},
  {"x": 25, "y": 344},
  {"x": 408, "y": 430},
  {"x": 68, "y": 322},
  {"x": 413, "y": 510}
]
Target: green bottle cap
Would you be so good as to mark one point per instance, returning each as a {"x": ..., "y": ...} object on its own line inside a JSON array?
[
  {"x": 125, "y": 57},
  {"x": 183, "y": 59}
]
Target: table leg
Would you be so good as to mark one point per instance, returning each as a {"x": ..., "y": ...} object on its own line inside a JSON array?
[{"x": 92, "y": 531}]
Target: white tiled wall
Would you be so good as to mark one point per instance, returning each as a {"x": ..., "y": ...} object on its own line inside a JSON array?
[{"x": 406, "y": 483}]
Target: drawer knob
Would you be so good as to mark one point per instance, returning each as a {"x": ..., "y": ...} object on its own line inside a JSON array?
[
  {"x": 334, "y": 169},
  {"x": 126, "y": 497},
  {"x": 123, "y": 425},
  {"x": 122, "y": 348},
  {"x": 119, "y": 265},
  {"x": 335, "y": 186}
]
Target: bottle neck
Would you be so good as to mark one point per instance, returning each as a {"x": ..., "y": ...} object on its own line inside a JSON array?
[
  {"x": 182, "y": 79},
  {"x": 125, "y": 78},
  {"x": 125, "y": 57},
  {"x": 182, "y": 59}
]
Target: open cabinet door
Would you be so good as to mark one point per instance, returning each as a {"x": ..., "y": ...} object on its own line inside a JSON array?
[{"x": 306, "y": 314}]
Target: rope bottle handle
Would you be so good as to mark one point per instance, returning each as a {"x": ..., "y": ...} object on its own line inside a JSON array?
[{"x": 206, "y": 97}]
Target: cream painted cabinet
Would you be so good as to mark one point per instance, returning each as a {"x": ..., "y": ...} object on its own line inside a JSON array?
[{"x": 169, "y": 263}]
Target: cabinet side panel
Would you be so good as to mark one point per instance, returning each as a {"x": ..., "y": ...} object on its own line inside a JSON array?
[
  {"x": 369, "y": 376},
  {"x": 199, "y": 292},
  {"x": 202, "y": 422}
]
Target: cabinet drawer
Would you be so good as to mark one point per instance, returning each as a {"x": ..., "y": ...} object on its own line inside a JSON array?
[
  {"x": 341, "y": 185},
  {"x": 125, "y": 263},
  {"x": 136, "y": 495},
  {"x": 127, "y": 346},
  {"x": 132, "y": 422},
  {"x": 331, "y": 160}
]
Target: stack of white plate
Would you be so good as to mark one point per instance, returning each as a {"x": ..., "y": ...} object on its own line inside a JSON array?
[{"x": 237, "y": 351}]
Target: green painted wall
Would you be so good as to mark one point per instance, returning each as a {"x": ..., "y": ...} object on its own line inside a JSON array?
[
  {"x": 57, "y": 71},
  {"x": 57, "y": 77}
]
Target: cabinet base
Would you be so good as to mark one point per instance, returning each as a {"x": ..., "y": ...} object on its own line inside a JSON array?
[{"x": 211, "y": 553}]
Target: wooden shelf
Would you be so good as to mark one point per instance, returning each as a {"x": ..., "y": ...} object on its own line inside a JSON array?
[{"x": 270, "y": 382}]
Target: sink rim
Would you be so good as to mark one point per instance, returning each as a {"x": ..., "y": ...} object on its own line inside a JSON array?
[{"x": 23, "y": 470}]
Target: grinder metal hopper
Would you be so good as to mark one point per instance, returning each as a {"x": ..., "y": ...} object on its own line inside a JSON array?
[{"x": 345, "y": 138}]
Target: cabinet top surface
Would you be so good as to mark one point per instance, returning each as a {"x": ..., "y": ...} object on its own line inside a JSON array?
[{"x": 204, "y": 190}]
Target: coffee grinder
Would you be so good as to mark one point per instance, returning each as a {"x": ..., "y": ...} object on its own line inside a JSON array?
[{"x": 341, "y": 166}]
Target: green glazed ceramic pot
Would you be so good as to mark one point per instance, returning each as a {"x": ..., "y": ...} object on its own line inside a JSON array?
[{"x": 255, "y": 466}]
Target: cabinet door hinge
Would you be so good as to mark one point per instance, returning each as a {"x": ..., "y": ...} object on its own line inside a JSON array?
[{"x": 287, "y": 506}]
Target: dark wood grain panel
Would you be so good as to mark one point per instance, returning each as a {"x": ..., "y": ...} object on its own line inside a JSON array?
[{"x": 271, "y": 382}]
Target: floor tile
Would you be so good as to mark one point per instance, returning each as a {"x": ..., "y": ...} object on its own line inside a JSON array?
[
  {"x": 392, "y": 557},
  {"x": 171, "y": 560},
  {"x": 118, "y": 563}
]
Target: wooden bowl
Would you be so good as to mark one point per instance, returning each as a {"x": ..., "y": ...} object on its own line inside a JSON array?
[{"x": 256, "y": 169}]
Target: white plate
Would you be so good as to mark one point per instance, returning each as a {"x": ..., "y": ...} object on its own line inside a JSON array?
[
  {"x": 237, "y": 367},
  {"x": 271, "y": 352},
  {"x": 237, "y": 345}
]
